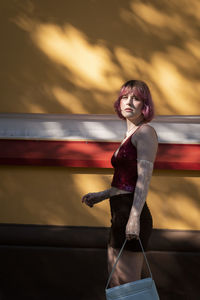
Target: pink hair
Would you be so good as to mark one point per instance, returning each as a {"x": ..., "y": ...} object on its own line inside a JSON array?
[{"x": 142, "y": 91}]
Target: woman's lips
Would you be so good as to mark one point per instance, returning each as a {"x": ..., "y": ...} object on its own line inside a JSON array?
[{"x": 128, "y": 109}]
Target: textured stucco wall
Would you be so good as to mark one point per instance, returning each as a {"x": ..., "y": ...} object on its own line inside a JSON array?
[
  {"x": 52, "y": 195},
  {"x": 72, "y": 56}
]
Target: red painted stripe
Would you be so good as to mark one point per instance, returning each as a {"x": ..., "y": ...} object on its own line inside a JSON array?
[
  {"x": 178, "y": 157},
  {"x": 90, "y": 154}
]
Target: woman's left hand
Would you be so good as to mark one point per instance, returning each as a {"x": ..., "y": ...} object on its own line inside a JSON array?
[
  {"x": 91, "y": 198},
  {"x": 133, "y": 228}
]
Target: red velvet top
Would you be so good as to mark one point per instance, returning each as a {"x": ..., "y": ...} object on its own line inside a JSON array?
[{"x": 125, "y": 167}]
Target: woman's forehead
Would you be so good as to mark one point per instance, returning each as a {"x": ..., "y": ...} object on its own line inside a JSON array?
[{"x": 134, "y": 91}]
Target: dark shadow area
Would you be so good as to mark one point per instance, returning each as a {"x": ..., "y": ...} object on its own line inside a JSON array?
[{"x": 48, "y": 262}]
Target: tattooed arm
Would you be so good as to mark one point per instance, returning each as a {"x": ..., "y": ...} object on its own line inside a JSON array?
[
  {"x": 93, "y": 198},
  {"x": 146, "y": 143}
]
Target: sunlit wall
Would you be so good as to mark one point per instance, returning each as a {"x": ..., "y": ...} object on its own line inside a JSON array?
[
  {"x": 72, "y": 56},
  {"x": 52, "y": 196}
]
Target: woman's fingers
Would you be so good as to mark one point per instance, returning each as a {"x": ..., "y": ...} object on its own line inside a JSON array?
[
  {"x": 131, "y": 236},
  {"x": 84, "y": 199},
  {"x": 87, "y": 200},
  {"x": 133, "y": 228}
]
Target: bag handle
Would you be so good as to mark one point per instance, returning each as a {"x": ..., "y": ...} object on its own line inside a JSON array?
[{"x": 117, "y": 259}]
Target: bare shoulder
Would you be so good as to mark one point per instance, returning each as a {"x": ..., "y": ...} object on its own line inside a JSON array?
[
  {"x": 146, "y": 142},
  {"x": 146, "y": 134},
  {"x": 147, "y": 131}
]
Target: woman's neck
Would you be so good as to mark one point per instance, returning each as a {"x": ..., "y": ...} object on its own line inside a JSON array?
[{"x": 133, "y": 124}]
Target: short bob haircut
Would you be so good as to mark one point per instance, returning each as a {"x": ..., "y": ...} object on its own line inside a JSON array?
[{"x": 142, "y": 91}]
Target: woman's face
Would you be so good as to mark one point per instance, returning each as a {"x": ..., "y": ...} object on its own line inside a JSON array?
[{"x": 131, "y": 106}]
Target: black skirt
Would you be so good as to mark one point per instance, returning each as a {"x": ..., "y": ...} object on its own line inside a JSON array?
[{"x": 120, "y": 206}]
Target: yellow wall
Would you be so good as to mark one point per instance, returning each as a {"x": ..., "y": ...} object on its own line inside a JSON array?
[
  {"x": 72, "y": 56},
  {"x": 52, "y": 195}
]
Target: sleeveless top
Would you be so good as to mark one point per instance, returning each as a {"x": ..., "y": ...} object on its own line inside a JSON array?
[{"x": 125, "y": 166}]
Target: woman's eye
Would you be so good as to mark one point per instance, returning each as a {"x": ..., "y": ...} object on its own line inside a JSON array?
[{"x": 132, "y": 98}]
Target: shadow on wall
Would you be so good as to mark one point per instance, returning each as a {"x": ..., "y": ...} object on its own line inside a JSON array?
[
  {"x": 73, "y": 57},
  {"x": 174, "y": 200},
  {"x": 49, "y": 196},
  {"x": 52, "y": 195}
]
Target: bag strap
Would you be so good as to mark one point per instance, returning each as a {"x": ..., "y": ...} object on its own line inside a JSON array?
[{"x": 117, "y": 259}]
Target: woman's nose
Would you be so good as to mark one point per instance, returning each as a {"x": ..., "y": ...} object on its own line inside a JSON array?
[{"x": 129, "y": 100}]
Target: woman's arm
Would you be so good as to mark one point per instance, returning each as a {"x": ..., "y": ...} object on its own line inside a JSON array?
[
  {"x": 92, "y": 198},
  {"x": 146, "y": 143}
]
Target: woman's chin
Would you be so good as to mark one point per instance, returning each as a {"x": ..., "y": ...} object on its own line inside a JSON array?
[{"x": 128, "y": 114}]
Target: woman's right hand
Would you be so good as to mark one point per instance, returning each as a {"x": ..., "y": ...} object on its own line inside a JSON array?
[{"x": 91, "y": 198}]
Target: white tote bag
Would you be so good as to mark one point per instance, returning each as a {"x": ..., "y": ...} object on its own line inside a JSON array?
[{"x": 144, "y": 289}]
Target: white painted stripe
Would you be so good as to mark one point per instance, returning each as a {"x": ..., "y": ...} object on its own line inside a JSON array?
[
  {"x": 177, "y": 133},
  {"x": 170, "y": 129}
]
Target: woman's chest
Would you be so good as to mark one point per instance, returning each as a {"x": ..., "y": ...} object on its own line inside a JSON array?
[{"x": 126, "y": 153}]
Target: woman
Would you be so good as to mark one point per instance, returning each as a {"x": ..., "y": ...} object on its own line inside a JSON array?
[{"x": 133, "y": 166}]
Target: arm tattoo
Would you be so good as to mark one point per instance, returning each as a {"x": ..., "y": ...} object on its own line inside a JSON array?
[
  {"x": 104, "y": 194},
  {"x": 108, "y": 193},
  {"x": 145, "y": 169}
]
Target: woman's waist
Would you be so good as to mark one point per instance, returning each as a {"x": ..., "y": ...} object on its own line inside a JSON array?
[
  {"x": 119, "y": 191},
  {"x": 121, "y": 206},
  {"x": 123, "y": 186},
  {"x": 124, "y": 181}
]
